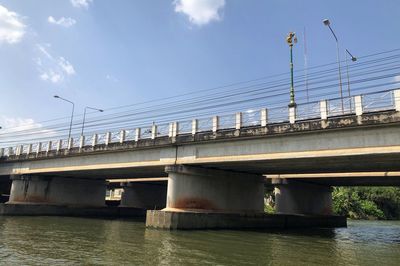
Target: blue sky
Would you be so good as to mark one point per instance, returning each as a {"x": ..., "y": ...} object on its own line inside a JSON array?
[{"x": 111, "y": 53}]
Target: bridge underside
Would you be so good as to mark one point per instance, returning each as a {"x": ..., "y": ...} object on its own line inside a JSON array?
[{"x": 306, "y": 169}]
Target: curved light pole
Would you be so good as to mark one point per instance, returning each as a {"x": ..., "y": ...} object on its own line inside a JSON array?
[
  {"x": 354, "y": 59},
  {"x": 328, "y": 24},
  {"x": 72, "y": 115},
  {"x": 290, "y": 39},
  {"x": 84, "y": 116}
]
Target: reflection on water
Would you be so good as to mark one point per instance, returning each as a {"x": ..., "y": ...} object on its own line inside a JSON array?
[{"x": 67, "y": 241}]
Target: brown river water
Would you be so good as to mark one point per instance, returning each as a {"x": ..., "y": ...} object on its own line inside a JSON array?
[{"x": 84, "y": 241}]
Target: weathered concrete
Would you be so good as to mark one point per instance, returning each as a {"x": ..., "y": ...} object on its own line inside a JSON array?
[
  {"x": 5, "y": 187},
  {"x": 149, "y": 196},
  {"x": 57, "y": 191},
  {"x": 200, "y": 220},
  {"x": 207, "y": 190},
  {"x": 59, "y": 210},
  {"x": 293, "y": 197},
  {"x": 352, "y": 143}
]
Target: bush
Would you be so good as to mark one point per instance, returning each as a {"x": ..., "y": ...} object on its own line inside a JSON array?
[{"x": 367, "y": 202}]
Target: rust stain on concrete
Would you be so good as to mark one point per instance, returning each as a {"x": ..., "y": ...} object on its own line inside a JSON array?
[{"x": 194, "y": 203}]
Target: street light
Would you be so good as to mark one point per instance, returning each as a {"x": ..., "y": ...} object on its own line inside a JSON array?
[
  {"x": 72, "y": 115},
  {"x": 354, "y": 59},
  {"x": 84, "y": 116},
  {"x": 290, "y": 39},
  {"x": 328, "y": 24}
]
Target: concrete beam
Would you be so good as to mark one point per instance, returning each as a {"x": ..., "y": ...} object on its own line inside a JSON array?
[{"x": 57, "y": 191}]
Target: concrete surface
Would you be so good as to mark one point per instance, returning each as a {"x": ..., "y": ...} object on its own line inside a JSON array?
[
  {"x": 294, "y": 197},
  {"x": 353, "y": 143},
  {"x": 149, "y": 196},
  {"x": 57, "y": 191},
  {"x": 193, "y": 220},
  {"x": 195, "y": 188},
  {"x": 59, "y": 210}
]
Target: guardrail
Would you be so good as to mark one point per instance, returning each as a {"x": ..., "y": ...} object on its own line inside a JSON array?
[{"x": 371, "y": 102}]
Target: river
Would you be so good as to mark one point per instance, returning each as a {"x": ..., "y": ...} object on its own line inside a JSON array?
[{"x": 72, "y": 241}]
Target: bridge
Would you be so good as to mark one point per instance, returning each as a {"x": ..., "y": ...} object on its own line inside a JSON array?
[{"x": 217, "y": 167}]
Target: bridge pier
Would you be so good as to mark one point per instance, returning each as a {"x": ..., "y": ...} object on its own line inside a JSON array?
[
  {"x": 199, "y": 198},
  {"x": 149, "y": 196},
  {"x": 57, "y": 191},
  {"x": 295, "y": 197}
]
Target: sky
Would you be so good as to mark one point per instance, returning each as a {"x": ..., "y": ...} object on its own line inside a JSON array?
[{"x": 106, "y": 54}]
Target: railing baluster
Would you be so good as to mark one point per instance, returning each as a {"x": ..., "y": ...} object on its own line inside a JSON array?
[{"x": 358, "y": 104}]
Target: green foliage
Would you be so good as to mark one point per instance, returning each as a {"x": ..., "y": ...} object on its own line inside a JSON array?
[
  {"x": 269, "y": 202},
  {"x": 367, "y": 202}
]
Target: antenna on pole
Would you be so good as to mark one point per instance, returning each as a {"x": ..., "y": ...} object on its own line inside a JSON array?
[{"x": 305, "y": 63}]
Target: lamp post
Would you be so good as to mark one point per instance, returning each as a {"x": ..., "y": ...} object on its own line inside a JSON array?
[
  {"x": 291, "y": 39},
  {"x": 84, "y": 116},
  {"x": 72, "y": 114},
  {"x": 328, "y": 24},
  {"x": 354, "y": 59}
]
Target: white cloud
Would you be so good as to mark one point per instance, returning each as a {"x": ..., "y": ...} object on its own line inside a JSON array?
[
  {"x": 397, "y": 78},
  {"x": 51, "y": 68},
  {"x": 111, "y": 78},
  {"x": 11, "y": 27},
  {"x": 65, "y": 22},
  {"x": 10, "y": 124},
  {"x": 66, "y": 66},
  {"x": 81, "y": 3},
  {"x": 200, "y": 12}
]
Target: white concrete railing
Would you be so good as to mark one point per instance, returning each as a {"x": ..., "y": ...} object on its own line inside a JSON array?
[{"x": 358, "y": 105}]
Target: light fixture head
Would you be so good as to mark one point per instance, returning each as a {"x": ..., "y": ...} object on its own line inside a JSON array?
[
  {"x": 353, "y": 58},
  {"x": 101, "y": 110},
  {"x": 291, "y": 38},
  {"x": 56, "y": 96},
  {"x": 326, "y": 22}
]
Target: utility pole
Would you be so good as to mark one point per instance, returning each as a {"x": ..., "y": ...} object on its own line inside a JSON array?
[{"x": 291, "y": 39}]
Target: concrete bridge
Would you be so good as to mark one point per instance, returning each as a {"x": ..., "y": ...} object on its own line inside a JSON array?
[{"x": 216, "y": 175}]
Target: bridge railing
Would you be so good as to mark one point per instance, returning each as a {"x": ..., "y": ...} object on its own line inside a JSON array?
[
  {"x": 370, "y": 102},
  {"x": 378, "y": 101}
]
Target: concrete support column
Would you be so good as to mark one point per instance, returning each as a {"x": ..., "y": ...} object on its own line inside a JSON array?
[
  {"x": 295, "y": 197},
  {"x": 149, "y": 196},
  {"x": 57, "y": 191},
  {"x": 292, "y": 114},
  {"x": 208, "y": 190},
  {"x": 199, "y": 198}
]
